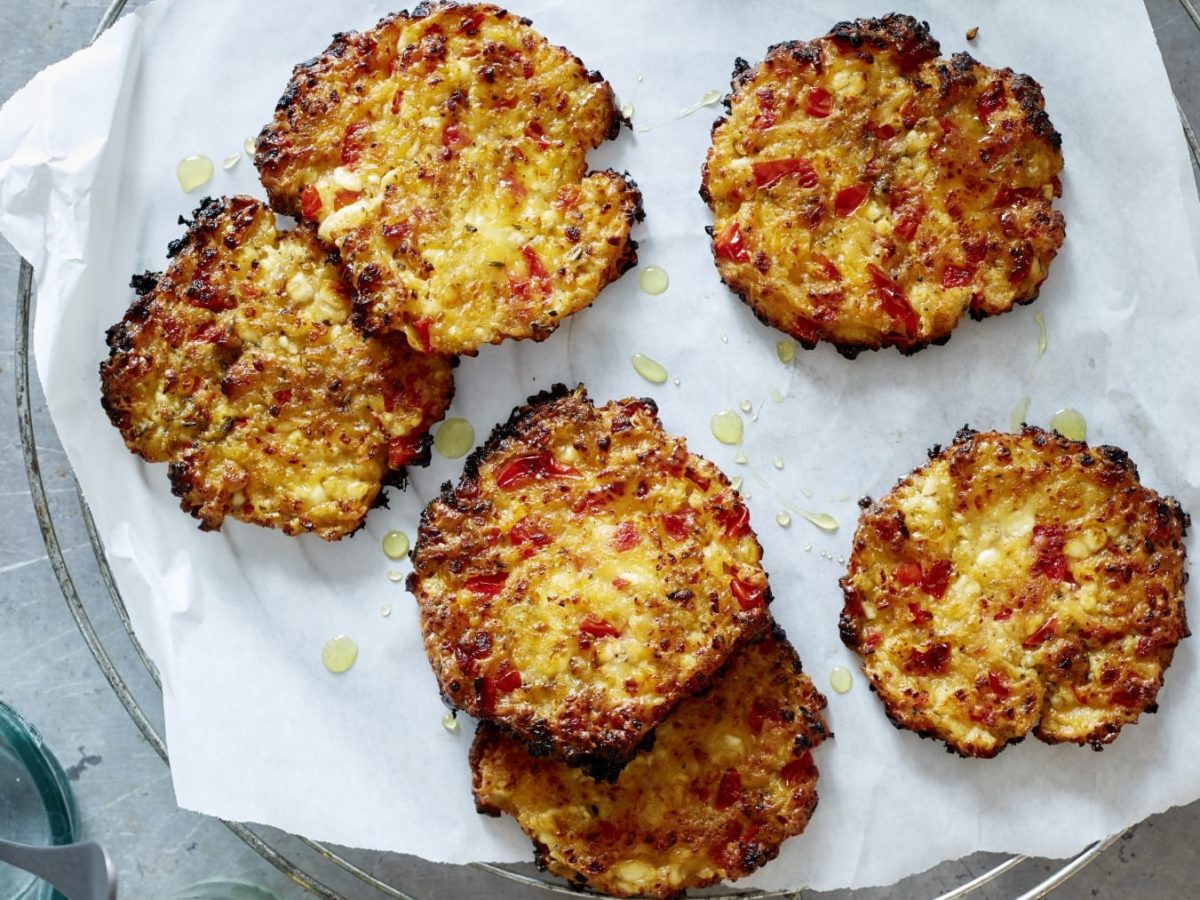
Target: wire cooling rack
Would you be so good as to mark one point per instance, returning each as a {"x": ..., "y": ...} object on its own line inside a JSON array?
[{"x": 311, "y": 864}]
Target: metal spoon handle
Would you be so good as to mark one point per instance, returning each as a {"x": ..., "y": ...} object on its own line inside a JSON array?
[{"x": 79, "y": 871}]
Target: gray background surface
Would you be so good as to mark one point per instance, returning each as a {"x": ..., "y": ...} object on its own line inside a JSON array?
[{"x": 123, "y": 788}]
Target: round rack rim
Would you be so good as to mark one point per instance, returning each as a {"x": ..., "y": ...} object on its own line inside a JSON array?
[{"x": 259, "y": 843}]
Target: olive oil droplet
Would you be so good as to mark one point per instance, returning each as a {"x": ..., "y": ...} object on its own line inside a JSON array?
[
  {"x": 230, "y": 161},
  {"x": 784, "y": 519},
  {"x": 385, "y": 610},
  {"x": 395, "y": 576},
  {"x": 1041, "y": 321},
  {"x": 786, "y": 351},
  {"x": 627, "y": 111},
  {"x": 840, "y": 679},
  {"x": 193, "y": 172},
  {"x": 727, "y": 427},
  {"x": 339, "y": 653},
  {"x": 746, "y": 406},
  {"x": 710, "y": 97},
  {"x": 777, "y": 462},
  {"x": 652, "y": 371},
  {"x": 1070, "y": 423},
  {"x": 450, "y": 722},
  {"x": 248, "y": 146},
  {"x": 776, "y": 395},
  {"x": 395, "y": 544},
  {"x": 1017, "y": 417},
  {"x": 736, "y": 483},
  {"x": 653, "y": 280},
  {"x": 824, "y": 521},
  {"x": 454, "y": 438},
  {"x": 741, "y": 458}
]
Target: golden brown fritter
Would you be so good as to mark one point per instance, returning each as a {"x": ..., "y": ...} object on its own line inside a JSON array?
[
  {"x": 730, "y": 777},
  {"x": 241, "y": 367},
  {"x": 867, "y": 193},
  {"x": 586, "y": 575},
  {"x": 1017, "y": 582},
  {"x": 443, "y": 153}
]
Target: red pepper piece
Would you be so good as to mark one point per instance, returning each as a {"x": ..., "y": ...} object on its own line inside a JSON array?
[
  {"x": 747, "y": 596},
  {"x": 735, "y": 521},
  {"x": 310, "y": 202},
  {"x": 908, "y": 574},
  {"x": 956, "y": 276},
  {"x": 454, "y": 137},
  {"x": 763, "y": 710},
  {"x": 1131, "y": 694},
  {"x": 1048, "y": 629},
  {"x": 537, "y": 134},
  {"x": 421, "y": 326},
  {"x": 883, "y": 132},
  {"x": 626, "y": 537},
  {"x": 997, "y": 685},
  {"x": 775, "y": 170},
  {"x": 895, "y": 304},
  {"x": 1004, "y": 615},
  {"x": 507, "y": 679},
  {"x": 908, "y": 222},
  {"x": 486, "y": 585},
  {"x": 919, "y": 615},
  {"x": 990, "y": 100},
  {"x": 524, "y": 533},
  {"x": 729, "y": 791},
  {"x": 933, "y": 661},
  {"x": 597, "y": 627},
  {"x": 729, "y": 245},
  {"x": 403, "y": 450},
  {"x": 828, "y": 269},
  {"x": 345, "y": 198},
  {"x": 937, "y": 578},
  {"x": 675, "y": 525},
  {"x": 799, "y": 770},
  {"x": 819, "y": 103},
  {"x": 1048, "y": 542},
  {"x": 352, "y": 144},
  {"x": 529, "y": 467},
  {"x": 847, "y": 200}
]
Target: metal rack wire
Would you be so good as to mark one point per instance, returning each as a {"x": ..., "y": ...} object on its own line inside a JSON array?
[{"x": 307, "y": 862}]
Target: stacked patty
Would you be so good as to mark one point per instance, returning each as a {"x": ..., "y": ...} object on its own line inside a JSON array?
[
  {"x": 586, "y": 577},
  {"x": 868, "y": 193},
  {"x": 443, "y": 153},
  {"x": 240, "y": 366}
]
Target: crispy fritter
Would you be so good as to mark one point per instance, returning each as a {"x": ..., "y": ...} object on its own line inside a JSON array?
[
  {"x": 443, "y": 153},
  {"x": 240, "y": 366},
  {"x": 1017, "y": 582},
  {"x": 730, "y": 777},
  {"x": 867, "y": 193},
  {"x": 585, "y": 576}
]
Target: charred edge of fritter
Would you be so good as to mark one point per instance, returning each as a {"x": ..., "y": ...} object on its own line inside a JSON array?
[
  {"x": 1029, "y": 96},
  {"x": 485, "y": 733},
  {"x": 902, "y": 722},
  {"x": 180, "y": 475},
  {"x": 907, "y": 38}
]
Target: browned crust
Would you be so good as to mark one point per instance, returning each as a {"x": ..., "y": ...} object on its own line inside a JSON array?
[
  {"x": 384, "y": 275},
  {"x": 210, "y": 322},
  {"x": 574, "y": 732},
  {"x": 644, "y": 816},
  {"x": 910, "y": 43},
  {"x": 1157, "y": 521}
]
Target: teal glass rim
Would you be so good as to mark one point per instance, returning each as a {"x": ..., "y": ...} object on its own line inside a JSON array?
[{"x": 23, "y": 740}]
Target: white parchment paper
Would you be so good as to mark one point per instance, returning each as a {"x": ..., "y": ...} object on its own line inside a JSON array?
[{"x": 259, "y": 732}]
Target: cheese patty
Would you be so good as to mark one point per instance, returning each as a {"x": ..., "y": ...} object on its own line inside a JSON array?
[
  {"x": 443, "y": 153},
  {"x": 240, "y": 366},
  {"x": 586, "y": 575},
  {"x": 1017, "y": 583},
  {"x": 730, "y": 777},
  {"x": 868, "y": 193}
]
